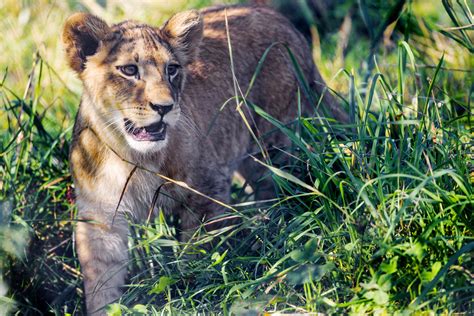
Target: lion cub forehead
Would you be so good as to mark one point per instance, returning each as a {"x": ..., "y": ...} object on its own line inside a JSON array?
[{"x": 140, "y": 42}]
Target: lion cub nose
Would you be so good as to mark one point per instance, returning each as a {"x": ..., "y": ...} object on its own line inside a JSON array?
[{"x": 162, "y": 109}]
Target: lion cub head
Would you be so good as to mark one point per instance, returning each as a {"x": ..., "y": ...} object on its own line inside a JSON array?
[{"x": 133, "y": 74}]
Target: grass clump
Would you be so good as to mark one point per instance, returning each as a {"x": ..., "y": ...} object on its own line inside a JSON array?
[{"x": 372, "y": 217}]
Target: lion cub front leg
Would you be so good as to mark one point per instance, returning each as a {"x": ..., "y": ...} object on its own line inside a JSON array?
[
  {"x": 202, "y": 212},
  {"x": 103, "y": 255}
]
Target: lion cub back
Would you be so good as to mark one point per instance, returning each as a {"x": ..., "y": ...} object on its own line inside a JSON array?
[{"x": 257, "y": 35}]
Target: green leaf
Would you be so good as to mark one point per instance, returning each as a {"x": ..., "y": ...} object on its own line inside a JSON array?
[
  {"x": 385, "y": 282},
  {"x": 140, "y": 309},
  {"x": 391, "y": 266},
  {"x": 378, "y": 296},
  {"x": 114, "y": 309},
  {"x": 163, "y": 283},
  {"x": 308, "y": 253},
  {"x": 218, "y": 258},
  {"x": 309, "y": 272},
  {"x": 416, "y": 250},
  {"x": 298, "y": 255},
  {"x": 429, "y": 275}
]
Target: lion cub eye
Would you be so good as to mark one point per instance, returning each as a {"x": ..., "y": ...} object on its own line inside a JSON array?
[
  {"x": 172, "y": 70},
  {"x": 129, "y": 70}
]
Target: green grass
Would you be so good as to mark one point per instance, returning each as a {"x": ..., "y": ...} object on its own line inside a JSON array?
[{"x": 372, "y": 217}]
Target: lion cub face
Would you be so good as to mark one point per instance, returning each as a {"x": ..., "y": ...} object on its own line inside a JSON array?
[{"x": 133, "y": 74}]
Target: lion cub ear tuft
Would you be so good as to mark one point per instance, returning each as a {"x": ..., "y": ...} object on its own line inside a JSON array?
[
  {"x": 184, "y": 33},
  {"x": 82, "y": 34}
]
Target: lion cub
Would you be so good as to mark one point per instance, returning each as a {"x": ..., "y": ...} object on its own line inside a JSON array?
[{"x": 152, "y": 104}]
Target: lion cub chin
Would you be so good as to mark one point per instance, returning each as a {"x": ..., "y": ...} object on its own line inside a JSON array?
[{"x": 152, "y": 110}]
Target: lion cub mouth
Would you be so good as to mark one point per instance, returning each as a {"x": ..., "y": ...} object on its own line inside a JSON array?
[{"x": 152, "y": 133}]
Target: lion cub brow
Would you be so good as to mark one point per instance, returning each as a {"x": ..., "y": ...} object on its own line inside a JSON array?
[{"x": 141, "y": 44}]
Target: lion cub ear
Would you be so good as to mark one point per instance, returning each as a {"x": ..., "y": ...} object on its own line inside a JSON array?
[
  {"x": 82, "y": 34},
  {"x": 184, "y": 33}
]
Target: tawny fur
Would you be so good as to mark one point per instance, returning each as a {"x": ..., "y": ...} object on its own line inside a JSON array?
[{"x": 201, "y": 154}]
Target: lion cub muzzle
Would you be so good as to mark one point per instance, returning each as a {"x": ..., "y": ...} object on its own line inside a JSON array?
[{"x": 152, "y": 132}]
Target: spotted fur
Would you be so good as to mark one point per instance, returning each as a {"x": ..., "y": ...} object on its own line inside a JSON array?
[{"x": 202, "y": 145}]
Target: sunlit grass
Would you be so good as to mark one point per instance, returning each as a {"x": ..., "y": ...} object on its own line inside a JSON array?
[{"x": 372, "y": 217}]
